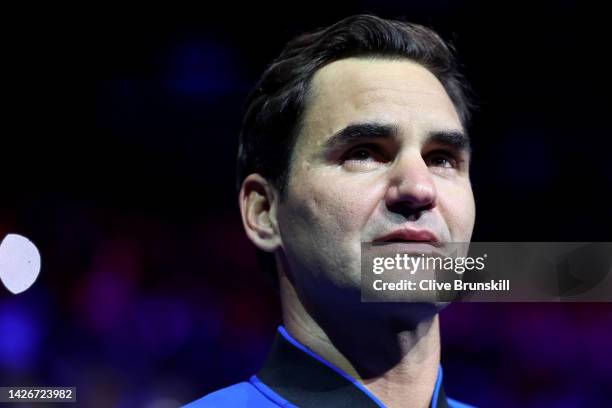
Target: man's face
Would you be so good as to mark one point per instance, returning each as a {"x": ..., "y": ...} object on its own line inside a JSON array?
[{"x": 381, "y": 151}]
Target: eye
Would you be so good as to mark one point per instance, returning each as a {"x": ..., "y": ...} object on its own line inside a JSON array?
[
  {"x": 441, "y": 159},
  {"x": 360, "y": 154},
  {"x": 364, "y": 157}
]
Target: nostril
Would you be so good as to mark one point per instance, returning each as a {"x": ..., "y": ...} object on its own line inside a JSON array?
[{"x": 410, "y": 211}]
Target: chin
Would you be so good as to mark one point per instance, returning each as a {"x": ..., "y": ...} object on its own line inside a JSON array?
[{"x": 413, "y": 313}]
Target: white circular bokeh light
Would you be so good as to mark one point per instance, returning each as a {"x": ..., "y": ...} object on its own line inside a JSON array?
[{"x": 19, "y": 263}]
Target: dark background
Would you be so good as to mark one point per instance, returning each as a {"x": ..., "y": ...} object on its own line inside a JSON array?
[{"x": 118, "y": 150}]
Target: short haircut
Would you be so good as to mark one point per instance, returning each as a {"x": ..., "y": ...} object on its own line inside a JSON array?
[{"x": 275, "y": 107}]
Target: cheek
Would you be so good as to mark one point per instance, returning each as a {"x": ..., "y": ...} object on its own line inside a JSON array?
[
  {"x": 458, "y": 209},
  {"x": 328, "y": 203},
  {"x": 321, "y": 224}
]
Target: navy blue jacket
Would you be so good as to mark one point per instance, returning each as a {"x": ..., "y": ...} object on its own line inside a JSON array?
[{"x": 295, "y": 376}]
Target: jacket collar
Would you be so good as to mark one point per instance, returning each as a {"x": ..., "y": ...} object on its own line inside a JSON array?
[{"x": 305, "y": 379}]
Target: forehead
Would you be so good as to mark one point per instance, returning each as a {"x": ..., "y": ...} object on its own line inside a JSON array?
[{"x": 399, "y": 92}]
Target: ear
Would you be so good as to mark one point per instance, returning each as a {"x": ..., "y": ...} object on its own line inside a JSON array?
[{"x": 258, "y": 201}]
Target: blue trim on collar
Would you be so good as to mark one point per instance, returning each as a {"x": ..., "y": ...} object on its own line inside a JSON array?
[
  {"x": 434, "y": 398},
  {"x": 269, "y": 393}
]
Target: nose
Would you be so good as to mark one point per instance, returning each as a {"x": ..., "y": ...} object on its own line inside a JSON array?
[{"x": 411, "y": 189}]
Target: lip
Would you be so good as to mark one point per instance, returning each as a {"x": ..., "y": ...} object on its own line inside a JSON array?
[{"x": 408, "y": 234}]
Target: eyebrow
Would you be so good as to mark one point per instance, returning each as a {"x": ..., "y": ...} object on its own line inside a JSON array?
[
  {"x": 453, "y": 138},
  {"x": 357, "y": 132}
]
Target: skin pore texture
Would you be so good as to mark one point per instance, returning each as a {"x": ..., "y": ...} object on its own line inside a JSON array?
[{"x": 389, "y": 172}]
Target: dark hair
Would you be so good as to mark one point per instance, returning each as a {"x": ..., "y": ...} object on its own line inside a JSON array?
[{"x": 274, "y": 108}]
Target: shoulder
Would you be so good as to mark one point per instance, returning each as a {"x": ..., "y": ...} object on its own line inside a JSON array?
[{"x": 241, "y": 395}]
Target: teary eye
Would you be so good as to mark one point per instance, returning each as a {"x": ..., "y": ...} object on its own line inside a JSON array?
[
  {"x": 364, "y": 157},
  {"x": 441, "y": 159},
  {"x": 360, "y": 153}
]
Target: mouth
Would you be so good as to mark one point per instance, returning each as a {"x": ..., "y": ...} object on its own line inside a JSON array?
[{"x": 410, "y": 236}]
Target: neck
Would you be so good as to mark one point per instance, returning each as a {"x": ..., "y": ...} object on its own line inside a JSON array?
[{"x": 395, "y": 357}]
